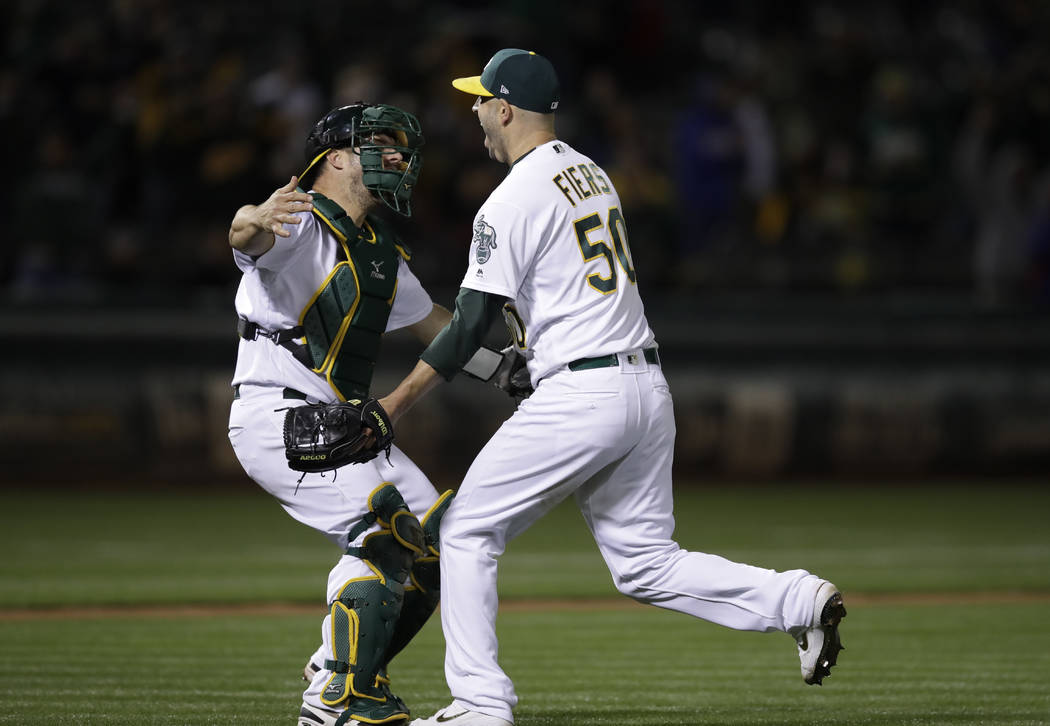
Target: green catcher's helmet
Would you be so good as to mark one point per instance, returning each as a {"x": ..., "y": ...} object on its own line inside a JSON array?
[{"x": 355, "y": 126}]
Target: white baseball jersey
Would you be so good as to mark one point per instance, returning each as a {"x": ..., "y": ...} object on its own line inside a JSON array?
[
  {"x": 552, "y": 239},
  {"x": 278, "y": 285}
]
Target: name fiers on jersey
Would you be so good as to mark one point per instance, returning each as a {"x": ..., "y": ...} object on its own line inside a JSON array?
[{"x": 581, "y": 181}]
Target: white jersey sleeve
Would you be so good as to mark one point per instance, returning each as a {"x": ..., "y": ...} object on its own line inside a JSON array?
[
  {"x": 411, "y": 302},
  {"x": 284, "y": 248},
  {"x": 553, "y": 239},
  {"x": 500, "y": 249}
]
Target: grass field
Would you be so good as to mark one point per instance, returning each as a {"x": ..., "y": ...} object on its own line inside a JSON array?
[{"x": 159, "y": 608}]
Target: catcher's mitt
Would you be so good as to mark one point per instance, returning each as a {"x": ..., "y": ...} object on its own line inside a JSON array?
[{"x": 326, "y": 436}]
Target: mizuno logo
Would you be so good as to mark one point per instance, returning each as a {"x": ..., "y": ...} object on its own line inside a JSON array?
[{"x": 375, "y": 269}]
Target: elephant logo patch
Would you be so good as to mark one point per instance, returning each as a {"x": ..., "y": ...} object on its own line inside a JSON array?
[{"x": 484, "y": 239}]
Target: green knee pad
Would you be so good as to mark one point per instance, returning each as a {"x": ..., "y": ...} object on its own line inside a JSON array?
[{"x": 394, "y": 547}]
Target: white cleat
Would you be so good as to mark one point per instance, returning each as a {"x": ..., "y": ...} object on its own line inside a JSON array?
[
  {"x": 819, "y": 644},
  {"x": 459, "y": 716}
]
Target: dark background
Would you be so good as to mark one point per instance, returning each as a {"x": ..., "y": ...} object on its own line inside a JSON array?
[{"x": 839, "y": 213}]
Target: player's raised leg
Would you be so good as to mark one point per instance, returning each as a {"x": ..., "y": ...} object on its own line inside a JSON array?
[{"x": 628, "y": 508}]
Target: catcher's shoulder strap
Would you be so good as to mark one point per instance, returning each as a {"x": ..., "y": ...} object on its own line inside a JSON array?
[
  {"x": 345, "y": 319},
  {"x": 374, "y": 230}
]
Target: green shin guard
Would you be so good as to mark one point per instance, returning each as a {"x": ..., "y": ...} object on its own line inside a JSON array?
[
  {"x": 365, "y": 615},
  {"x": 363, "y": 621},
  {"x": 418, "y": 608}
]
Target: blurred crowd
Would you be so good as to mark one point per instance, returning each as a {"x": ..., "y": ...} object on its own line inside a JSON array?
[{"x": 786, "y": 145}]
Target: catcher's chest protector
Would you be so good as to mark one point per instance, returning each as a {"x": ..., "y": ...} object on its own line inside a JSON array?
[{"x": 345, "y": 319}]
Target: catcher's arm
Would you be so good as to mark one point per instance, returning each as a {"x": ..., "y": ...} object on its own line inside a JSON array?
[
  {"x": 435, "y": 321},
  {"x": 254, "y": 226},
  {"x": 416, "y": 385}
]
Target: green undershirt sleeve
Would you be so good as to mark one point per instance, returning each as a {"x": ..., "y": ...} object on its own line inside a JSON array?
[{"x": 453, "y": 347}]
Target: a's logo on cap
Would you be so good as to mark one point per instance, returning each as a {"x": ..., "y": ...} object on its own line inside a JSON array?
[{"x": 554, "y": 105}]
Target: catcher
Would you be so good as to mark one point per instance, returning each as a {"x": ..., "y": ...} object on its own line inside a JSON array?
[{"x": 323, "y": 279}]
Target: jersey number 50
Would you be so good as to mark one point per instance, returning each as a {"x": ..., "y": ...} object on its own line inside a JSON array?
[{"x": 591, "y": 250}]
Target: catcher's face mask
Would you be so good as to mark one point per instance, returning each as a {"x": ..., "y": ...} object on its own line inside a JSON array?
[
  {"x": 390, "y": 183},
  {"x": 377, "y": 134}
]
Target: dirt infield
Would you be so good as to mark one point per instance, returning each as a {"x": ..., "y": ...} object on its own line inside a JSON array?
[{"x": 509, "y": 606}]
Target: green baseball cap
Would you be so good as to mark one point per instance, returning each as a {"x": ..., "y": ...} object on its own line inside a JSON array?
[{"x": 523, "y": 78}]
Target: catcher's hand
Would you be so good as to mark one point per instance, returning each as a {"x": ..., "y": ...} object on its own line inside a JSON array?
[
  {"x": 281, "y": 208},
  {"x": 322, "y": 437}
]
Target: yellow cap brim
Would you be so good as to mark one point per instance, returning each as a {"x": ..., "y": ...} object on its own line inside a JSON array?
[{"x": 471, "y": 85}]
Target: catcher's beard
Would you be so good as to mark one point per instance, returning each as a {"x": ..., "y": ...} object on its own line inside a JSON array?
[{"x": 361, "y": 196}]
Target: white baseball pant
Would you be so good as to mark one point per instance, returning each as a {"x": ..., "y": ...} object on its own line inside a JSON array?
[{"x": 607, "y": 436}]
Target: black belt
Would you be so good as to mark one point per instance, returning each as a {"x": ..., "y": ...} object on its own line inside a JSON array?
[
  {"x": 608, "y": 361},
  {"x": 289, "y": 393}
]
